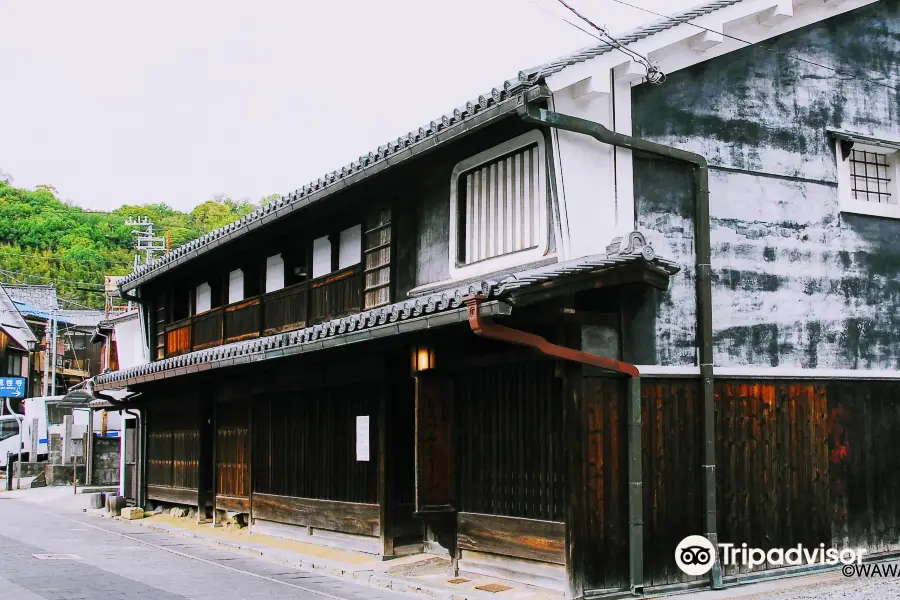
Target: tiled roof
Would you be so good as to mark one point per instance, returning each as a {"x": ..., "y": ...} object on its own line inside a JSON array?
[
  {"x": 80, "y": 318},
  {"x": 474, "y": 113},
  {"x": 438, "y": 308},
  {"x": 12, "y": 322},
  {"x": 41, "y": 297},
  {"x": 555, "y": 66},
  {"x": 28, "y": 310}
]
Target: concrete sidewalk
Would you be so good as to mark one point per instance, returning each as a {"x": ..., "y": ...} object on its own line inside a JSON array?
[{"x": 421, "y": 574}]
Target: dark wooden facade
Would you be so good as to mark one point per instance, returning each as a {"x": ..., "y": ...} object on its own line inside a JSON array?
[
  {"x": 798, "y": 462},
  {"x": 173, "y": 453}
]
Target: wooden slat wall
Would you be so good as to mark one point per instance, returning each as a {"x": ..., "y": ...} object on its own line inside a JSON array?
[
  {"x": 285, "y": 309},
  {"x": 337, "y": 295},
  {"x": 772, "y": 474},
  {"x": 606, "y": 484},
  {"x": 207, "y": 330},
  {"x": 242, "y": 321},
  {"x": 178, "y": 340},
  {"x": 671, "y": 443},
  {"x": 232, "y": 450},
  {"x": 304, "y": 444},
  {"x": 863, "y": 428},
  {"x": 798, "y": 462},
  {"x": 509, "y": 449},
  {"x": 173, "y": 447}
]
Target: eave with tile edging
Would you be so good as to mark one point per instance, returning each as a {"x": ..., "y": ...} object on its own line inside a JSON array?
[{"x": 425, "y": 312}]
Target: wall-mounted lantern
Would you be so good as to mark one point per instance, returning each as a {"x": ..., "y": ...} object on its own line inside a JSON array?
[{"x": 422, "y": 358}]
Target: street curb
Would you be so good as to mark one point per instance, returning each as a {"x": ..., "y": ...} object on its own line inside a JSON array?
[{"x": 328, "y": 567}]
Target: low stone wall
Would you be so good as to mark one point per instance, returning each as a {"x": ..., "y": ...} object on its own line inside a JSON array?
[
  {"x": 62, "y": 474},
  {"x": 28, "y": 469}
]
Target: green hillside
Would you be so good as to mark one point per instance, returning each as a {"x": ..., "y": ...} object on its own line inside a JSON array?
[{"x": 44, "y": 240}]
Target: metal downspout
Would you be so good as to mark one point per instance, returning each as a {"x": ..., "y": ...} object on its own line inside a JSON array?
[
  {"x": 540, "y": 116},
  {"x": 486, "y": 328}
]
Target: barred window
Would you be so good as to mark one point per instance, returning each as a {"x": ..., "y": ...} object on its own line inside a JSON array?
[
  {"x": 499, "y": 203},
  {"x": 870, "y": 176}
]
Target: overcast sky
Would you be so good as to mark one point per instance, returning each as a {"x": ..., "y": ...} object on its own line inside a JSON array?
[{"x": 120, "y": 102}]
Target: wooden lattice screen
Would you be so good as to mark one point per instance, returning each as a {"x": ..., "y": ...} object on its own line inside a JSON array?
[{"x": 377, "y": 255}]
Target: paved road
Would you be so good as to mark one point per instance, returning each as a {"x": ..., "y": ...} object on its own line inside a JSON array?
[{"x": 117, "y": 561}]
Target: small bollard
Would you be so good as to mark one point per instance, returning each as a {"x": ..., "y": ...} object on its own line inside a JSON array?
[
  {"x": 96, "y": 500},
  {"x": 9, "y": 471},
  {"x": 115, "y": 504}
]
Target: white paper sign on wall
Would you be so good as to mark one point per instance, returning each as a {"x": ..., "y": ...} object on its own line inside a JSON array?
[{"x": 362, "y": 438}]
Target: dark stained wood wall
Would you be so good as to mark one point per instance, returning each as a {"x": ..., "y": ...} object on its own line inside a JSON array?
[
  {"x": 863, "y": 460},
  {"x": 304, "y": 444},
  {"x": 772, "y": 474},
  {"x": 173, "y": 446},
  {"x": 605, "y": 473},
  {"x": 671, "y": 443},
  {"x": 797, "y": 462},
  {"x": 509, "y": 446},
  {"x": 232, "y": 449}
]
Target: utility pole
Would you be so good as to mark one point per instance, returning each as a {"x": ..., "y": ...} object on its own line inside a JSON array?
[
  {"x": 145, "y": 241},
  {"x": 53, "y": 355},
  {"x": 47, "y": 341}
]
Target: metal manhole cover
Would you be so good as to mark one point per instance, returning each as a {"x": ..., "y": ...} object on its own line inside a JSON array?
[
  {"x": 56, "y": 556},
  {"x": 493, "y": 587}
]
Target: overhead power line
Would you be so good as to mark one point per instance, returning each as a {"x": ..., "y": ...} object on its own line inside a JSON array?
[
  {"x": 654, "y": 75},
  {"x": 565, "y": 20},
  {"x": 100, "y": 261},
  {"x": 99, "y": 286},
  {"x": 611, "y": 43},
  {"x": 772, "y": 50}
]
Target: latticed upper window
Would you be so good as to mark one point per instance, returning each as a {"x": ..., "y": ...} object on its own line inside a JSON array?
[
  {"x": 870, "y": 175},
  {"x": 499, "y": 203},
  {"x": 377, "y": 253}
]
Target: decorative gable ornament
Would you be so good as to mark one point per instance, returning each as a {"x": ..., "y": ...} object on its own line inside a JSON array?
[{"x": 636, "y": 245}]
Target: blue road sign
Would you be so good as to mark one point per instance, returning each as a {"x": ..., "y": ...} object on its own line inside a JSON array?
[{"x": 12, "y": 387}]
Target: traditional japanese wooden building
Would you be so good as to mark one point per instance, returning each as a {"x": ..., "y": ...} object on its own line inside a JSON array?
[{"x": 559, "y": 329}]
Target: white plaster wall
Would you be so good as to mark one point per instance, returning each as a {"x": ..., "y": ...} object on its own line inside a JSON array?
[
  {"x": 203, "y": 301},
  {"x": 350, "y": 247},
  {"x": 586, "y": 181},
  {"x": 129, "y": 343},
  {"x": 274, "y": 273},
  {"x": 790, "y": 279},
  {"x": 235, "y": 286}
]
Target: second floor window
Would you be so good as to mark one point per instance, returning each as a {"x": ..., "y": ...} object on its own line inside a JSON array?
[
  {"x": 499, "y": 207},
  {"x": 868, "y": 169},
  {"x": 203, "y": 298},
  {"x": 274, "y": 273},
  {"x": 336, "y": 252},
  {"x": 871, "y": 176},
  {"x": 235, "y": 286}
]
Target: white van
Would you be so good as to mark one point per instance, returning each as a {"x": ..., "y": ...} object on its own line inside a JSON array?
[
  {"x": 50, "y": 412},
  {"x": 9, "y": 437}
]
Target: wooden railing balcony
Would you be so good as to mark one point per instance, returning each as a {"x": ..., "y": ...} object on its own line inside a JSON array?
[
  {"x": 207, "y": 329},
  {"x": 178, "y": 337},
  {"x": 294, "y": 307}
]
